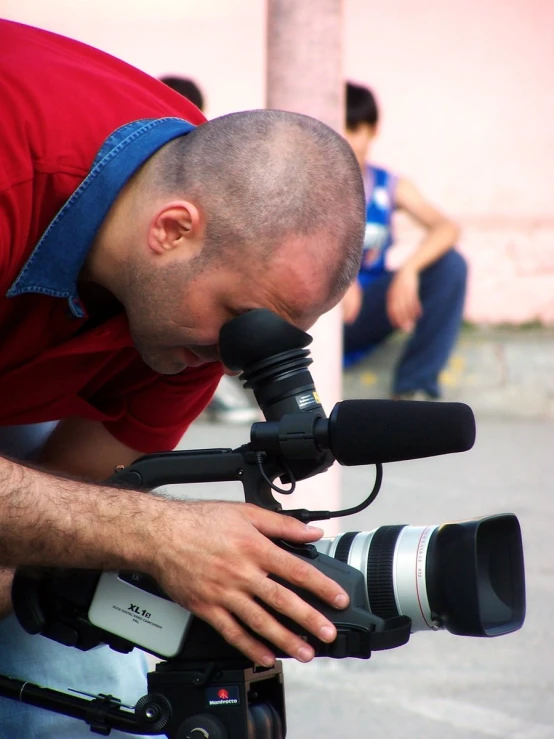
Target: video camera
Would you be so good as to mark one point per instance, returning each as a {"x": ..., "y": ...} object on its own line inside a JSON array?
[{"x": 466, "y": 577}]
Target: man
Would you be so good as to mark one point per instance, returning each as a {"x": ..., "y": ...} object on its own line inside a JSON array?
[
  {"x": 426, "y": 295},
  {"x": 128, "y": 236}
]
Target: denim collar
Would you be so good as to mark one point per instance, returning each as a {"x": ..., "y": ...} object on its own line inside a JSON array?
[{"x": 54, "y": 266}]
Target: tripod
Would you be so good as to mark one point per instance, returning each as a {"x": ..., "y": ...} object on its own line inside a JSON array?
[{"x": 250, "y": 703}]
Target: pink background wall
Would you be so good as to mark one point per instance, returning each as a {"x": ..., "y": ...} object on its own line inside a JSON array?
[{"x": 466, "y": 89}]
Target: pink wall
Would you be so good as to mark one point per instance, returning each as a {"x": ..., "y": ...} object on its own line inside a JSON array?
[
  {"x": 220, "y": 43},
  {"x": 466, "y": 91}
]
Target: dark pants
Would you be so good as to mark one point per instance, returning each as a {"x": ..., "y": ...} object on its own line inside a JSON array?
[{"x": 442, "y": 293}]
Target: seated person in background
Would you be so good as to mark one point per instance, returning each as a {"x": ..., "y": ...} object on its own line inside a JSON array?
[
  {"x": 425, "y": 296},
  {"x": 187, "y": 88}
]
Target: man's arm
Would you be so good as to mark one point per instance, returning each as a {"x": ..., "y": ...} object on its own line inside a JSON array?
[
  {"x": 213, "y": 558},
  {"x": 403, "y": 304},
  {"x": 80, "y": 447},
  {"x": 85, "y": 448}
]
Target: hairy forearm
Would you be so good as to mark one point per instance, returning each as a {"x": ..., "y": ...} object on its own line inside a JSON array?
[
  {"x": 437, "y": 241},
  {"x": 54, "y": 521},
  {"x": 213, "y": 558}
]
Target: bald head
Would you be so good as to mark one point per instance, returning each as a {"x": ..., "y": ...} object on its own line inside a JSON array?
[{"x": 264, "y": 177}]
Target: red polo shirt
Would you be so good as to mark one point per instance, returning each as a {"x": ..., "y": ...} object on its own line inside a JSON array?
[{"x": 61, "y": 99}]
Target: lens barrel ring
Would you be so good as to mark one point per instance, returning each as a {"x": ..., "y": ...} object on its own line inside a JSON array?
[
  {"x": 380, "y": 575},
  {"x": 344, "y": 545}
]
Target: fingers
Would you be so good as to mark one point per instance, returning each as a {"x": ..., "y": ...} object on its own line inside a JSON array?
[
  {"x": 286, "y": 602},
  {"x": 397, "y": 316},
  {"x": 403, "y": 307},
  {"x": 300, "y": 573},
  {"x": 278, "y": 526},
  {"x": 394, "y": 306},
  {"x": 295, "y": 570},
  {"x": 226, "y": 579},
  {"x": 257, "y": 590},
  {"x": 237, "y": 636},
  {"x": 255, "y": 617}
]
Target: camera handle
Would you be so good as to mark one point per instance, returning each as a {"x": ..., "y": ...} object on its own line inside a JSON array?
[{"x": 205, "y": 465}]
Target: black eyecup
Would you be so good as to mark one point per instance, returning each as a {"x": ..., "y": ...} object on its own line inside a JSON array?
[
  {"x": 475, "y": 576},
  {"x": 257, "y": 335}
]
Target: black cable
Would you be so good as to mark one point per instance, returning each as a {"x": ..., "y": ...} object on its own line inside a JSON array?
[
  {"x": 302, "y": 514},
  {"x": 259, "y": 460}
]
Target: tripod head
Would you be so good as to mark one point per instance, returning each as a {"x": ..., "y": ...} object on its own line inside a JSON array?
[{"x": 206, "y": 686}]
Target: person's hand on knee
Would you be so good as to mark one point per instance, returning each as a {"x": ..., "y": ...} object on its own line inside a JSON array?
[{"x": 403, "y": 304}]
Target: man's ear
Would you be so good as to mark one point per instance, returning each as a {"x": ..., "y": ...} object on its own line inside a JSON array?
[{"x": 176, "y": 225}]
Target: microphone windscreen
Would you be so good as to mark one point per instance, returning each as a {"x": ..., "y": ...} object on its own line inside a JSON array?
[{"x": 370, "y": 431}]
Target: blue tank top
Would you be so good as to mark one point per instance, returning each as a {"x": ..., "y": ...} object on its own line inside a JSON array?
[{"x": 378, "y": 227}]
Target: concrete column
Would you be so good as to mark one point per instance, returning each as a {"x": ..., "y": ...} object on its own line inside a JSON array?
[
  {"x": 305, "y": 75},
  {"x": 304, "y": 58}
]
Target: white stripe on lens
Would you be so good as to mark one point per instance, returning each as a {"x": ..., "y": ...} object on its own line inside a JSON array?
[{"x": 408, "y": 575}]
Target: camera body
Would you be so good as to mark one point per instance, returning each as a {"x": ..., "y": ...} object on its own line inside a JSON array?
[
  {"x": 128, "y": 609},
  {"x": 132, "y": 606}
]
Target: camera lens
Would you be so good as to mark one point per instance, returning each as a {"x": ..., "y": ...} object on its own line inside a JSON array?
[
  {"x": 465, "y": 577},
  {"x": 283, "y": 384}
]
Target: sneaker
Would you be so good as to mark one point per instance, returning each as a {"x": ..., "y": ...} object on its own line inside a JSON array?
[{"x": 231, "y": 404}]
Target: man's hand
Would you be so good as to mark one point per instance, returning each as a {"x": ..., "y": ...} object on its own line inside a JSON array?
[
  {"x": 215, "y": 558},
  {"x": 403, "y": 305},
  {"x": 352, "y": 303}
]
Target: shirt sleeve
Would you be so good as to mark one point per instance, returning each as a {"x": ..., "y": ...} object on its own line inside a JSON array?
[{"x": 158, "y": 413}]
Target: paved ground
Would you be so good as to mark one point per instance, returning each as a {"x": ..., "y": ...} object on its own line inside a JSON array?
[
  {"x": 440, "y": 685},
  {"x": 499, "y": 372}
]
